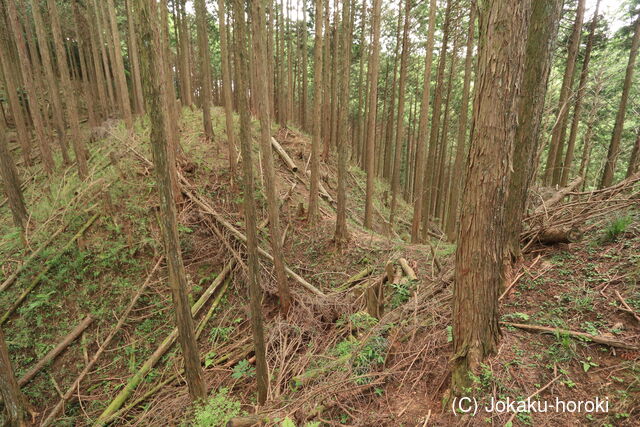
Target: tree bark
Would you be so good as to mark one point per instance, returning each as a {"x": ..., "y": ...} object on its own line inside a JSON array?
[
  {"x": 341, "y": 235},
  {"x": 154, "y": 83},
  {"x": 577, "y": 108},
  {"x": 457, "y": 174},
  {"x": 539, "y": 51},
  {"x": 422, "y": 128},
  {"x": 14, "y": 401},
  {"x": 479, "y": 265},
  {"x": 395, "y": 177},
  {"x": 370, "y": 136},
  {"x": 53, "y": 91},
  {"x": 226, "y": 90},
  {"x": 258, "y": 26},
  {"x": 135, "y": 63},
  {"x": 69, "y": 97},
  {"x": 29, "y": 86},
  {"x": 552, "y": 171},
  {"x": 205, "y": 68},
  {"x": 614, "y": 146},
  {"x": 123, "y": 91},
  {"x": 317, "y": 116},
  {"x": 11, "y": 182},
  {"x": 634, "y": 160},
  {"x": 255, "y": 292}
]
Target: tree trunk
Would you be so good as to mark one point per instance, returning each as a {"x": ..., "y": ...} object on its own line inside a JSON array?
[
  {"x": 11, "y": 182},
  {"x": 255, "y": 292},
  {"x": 205, "y": 68},
  {"x": 503, "y": 30},
  {"x": 395, "y": 178},
  {"x": 539, "y": 51},
  {"x": 69, "y": 96},
  {"x": 52, "y": 89},
  {"x": 11, "y": 85},
  {"x": 577, "y": 109},
  {"x": 226, "y": 90},
  {"x": 552, "y": 171},
  {"x": 317, "y": 116},
  {"x": 154, "y": 83},
  {"x": 29, "y": 86},
  {"x": 422, "y": 128},
  {"x": 123, "y": 91},
  {"x": 614, "y": 146},
  {"x": 258, "y": 26},
  {"x": 14, "y": 401},
  {"x": 634, "y": 160},
  {"x": 370, "y": 137},
  {"x": 429, "y": 176},
  {"x": 135, "y": 63},
  {"x": 457, "y": 174},
  {"x": 341, "y": 235}
]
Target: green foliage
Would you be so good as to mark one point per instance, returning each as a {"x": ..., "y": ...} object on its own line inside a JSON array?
[
  {"x": 243, "y": 369},
  {"x": 218, "y": 410},
  {"x": 616, "y": 227}
]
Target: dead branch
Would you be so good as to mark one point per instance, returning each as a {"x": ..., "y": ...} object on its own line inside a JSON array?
[
  {"x": 556, "y": 331},
  {"x": 75, "y": 333}
]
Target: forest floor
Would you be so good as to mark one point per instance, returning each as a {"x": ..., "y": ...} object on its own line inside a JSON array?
[{"x": 330, "y": 362}]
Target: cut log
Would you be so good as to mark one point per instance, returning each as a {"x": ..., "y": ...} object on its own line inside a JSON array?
[
  {"x": 76, "y": 384},
  {"x": 558, "y": 196},
  {"x": 556, "y": 331},
  {"x": 407, "y": 269},
  {"x": 168, "y": 342},
  {"x": 35, "y": 282},
  {"x": 248, "y": 421},
  {"x": 283, "y": 155},
  {"x": 9, "y": 281},
  {"x": 551, "y": 236},
  {"x": 75, "y": 333}
]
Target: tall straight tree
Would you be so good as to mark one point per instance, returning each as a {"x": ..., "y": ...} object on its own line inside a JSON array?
[
  {"x": 422, "y": 127},
  {"x": 118, "y": 67},
  {"x": 14, "y": 401},
  {"x": 79, "y": 148},
  {"x": 11, "y": 181},
  {"x": 255, "y": 292},
  {"x": 154, "y": 84},
  {"x": 503, "y": 31},
  {"x": 458, "y": 166},
  {"x": 258, "y": 40},
  {"x": 226, "y": 89},
  {"x": 134, "y": 60},
  {"x": 341, "y": 234},
  {"x": 552, "y": 171},
  {"x": 205, "y": 68},
  {"x": 53, "y": 92},
  {"x": 317, "y": 116},
  {"x": 370, "y": 136},
  {"x": 634, "y": 159},
  {"x": 545, "y": 17},
  {"x": 404, "y": 64},
  {"x": 29, "y": 86},
  {"x": 577, "y": 108},
  {"x": 430, "y": 177},
  {"x": 616, "y": 136}
]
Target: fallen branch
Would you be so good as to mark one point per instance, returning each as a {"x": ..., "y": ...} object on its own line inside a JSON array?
[
  {"x": 283, "y": 155},
  {"x": 238, "y": 234},
  {"x": 558, "y": 196},
  {"x": 44, "y": 272},
  {"x": 407, "y": 269},
  {"x": 9, "y": 281},
  {"x": 56, "y": 351},
  {"x": 168, "y": 342},
  {"x": 556, "y": 331},
  {"x": 76, "y": 384},
  {"x": 629, "y": 309}
]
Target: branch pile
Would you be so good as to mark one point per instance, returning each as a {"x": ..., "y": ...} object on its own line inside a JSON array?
[{"x": 555, "y": 222}]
